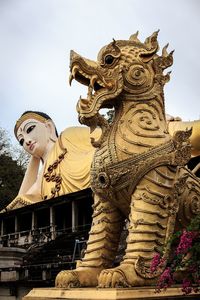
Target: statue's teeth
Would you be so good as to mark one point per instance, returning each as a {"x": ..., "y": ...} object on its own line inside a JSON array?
[
  {"x": 82, "y": 106},
  {"x": 78, "y": 106},
  {"x": 90, "y": 90},
  {"x": 74, "y": 70},
  {"x": 93, "y": 80},
  {"x": 83, "y": 103},
  {"x": 71, "y": 77}
]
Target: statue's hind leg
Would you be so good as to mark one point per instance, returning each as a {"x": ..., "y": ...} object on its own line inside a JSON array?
[
  {"x": 152, "y": 218},
  {"x": 101, "y": 247}
]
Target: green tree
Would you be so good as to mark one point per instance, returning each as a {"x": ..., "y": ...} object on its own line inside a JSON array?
[
  {"x": 11, "y": 176},
  {"x": 11, "y": 170},
  {"x": 4, "y": 141}
]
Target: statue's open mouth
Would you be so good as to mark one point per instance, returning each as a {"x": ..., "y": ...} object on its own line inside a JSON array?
[
  {"x": 102, "y": 89},
  {"x": 99, "y": 87},
  {"x": 95, "y": 89},
  {"x": 91, "y": 81},
  {"x": 89, "y": 108},
  {"x": 83, "y": 78}
]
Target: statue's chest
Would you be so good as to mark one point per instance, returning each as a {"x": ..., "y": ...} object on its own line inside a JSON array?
[
  {"x": 104, "y": 157},
  {"x": 115, "y": 180}
]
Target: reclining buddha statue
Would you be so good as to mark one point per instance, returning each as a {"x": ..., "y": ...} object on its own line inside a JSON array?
[{"x": 58, "y": 165}]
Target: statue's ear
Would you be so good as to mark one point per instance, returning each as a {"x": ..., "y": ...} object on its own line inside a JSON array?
[
  {"x": 51, "y": 129},
  {"x": 134, "y": 37}
]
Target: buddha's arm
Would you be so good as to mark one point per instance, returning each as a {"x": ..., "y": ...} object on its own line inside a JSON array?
[
  {"x": 35, "y": 189},
  {"x": 30, "y": 177},
  {"x": 30, "y": 190}
]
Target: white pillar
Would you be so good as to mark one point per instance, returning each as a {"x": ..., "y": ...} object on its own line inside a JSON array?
[
  {"x": 74, "y": 216},
  {"x": 2, "y": 227},
  {"x": 16, "y": 224},
  {"x": 33, "y": 223},
  {"x": 52, "y": 223}
]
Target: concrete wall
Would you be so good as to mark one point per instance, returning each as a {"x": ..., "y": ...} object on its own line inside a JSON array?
[{"x": 13, "y": 293}]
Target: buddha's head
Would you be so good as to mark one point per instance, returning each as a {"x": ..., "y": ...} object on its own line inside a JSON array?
[{"x": 36, "y": 132}]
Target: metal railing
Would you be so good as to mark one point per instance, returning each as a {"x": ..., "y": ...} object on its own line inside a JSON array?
[{"x": 39, "y": 235}]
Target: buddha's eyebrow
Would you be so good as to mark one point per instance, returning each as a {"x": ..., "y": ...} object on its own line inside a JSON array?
[
  {"x": 24, "y": 128},
  {"x": 28, "y": 124}
]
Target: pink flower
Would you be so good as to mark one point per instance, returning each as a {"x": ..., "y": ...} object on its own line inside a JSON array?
[
  {"x": 165, "y": 280},
  {"x": 186, "y": 286},
  {"x": 185, "y": 243},
  {"x": 155, "y": 262}
]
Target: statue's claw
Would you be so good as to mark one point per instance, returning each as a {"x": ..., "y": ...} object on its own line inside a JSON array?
[
  {"x": 80, "y": 277},
  {"x": 67, "y": 279},
  {"x": 123, "y": 276},
  {"x": 105, "y": 279}
]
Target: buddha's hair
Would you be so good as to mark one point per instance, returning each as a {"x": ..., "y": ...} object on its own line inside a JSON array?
[{"x": 42, "y": 114}]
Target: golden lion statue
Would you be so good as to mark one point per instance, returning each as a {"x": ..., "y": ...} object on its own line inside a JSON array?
[{"x": 139, "y": 171}]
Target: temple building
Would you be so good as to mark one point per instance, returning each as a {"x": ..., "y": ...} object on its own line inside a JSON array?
[{"x": 39, "y": 240}]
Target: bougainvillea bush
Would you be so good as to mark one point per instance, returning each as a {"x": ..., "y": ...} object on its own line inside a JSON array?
[{"x": 184, "y": 263}]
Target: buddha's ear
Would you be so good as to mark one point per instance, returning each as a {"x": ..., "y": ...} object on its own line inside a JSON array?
[{"x": 51, "y": 129}]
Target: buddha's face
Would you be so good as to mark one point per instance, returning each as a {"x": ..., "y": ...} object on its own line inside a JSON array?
[{"x": 34, "y": 136}]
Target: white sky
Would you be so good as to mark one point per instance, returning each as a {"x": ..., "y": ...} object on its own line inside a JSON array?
[{"x": 37, "y": 36}]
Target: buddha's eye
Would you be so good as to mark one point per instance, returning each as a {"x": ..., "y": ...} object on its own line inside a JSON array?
[
  {"x": 29, "y": 129},
  {"x": 21, "y": 142},
  {"x": 109, "y": 59}
]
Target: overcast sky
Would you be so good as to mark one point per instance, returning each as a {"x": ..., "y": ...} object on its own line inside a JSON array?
[{"x": 37, "y": 36}]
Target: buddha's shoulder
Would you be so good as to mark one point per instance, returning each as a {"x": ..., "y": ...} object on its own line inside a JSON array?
[
  {"x": 80, "y": 132},
  {"x": 75, "y": 130}
]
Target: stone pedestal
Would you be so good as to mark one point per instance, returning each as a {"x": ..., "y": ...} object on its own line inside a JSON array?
[
  {"x": 106, "y": 294},
  {"x": 11, "y": 257}
]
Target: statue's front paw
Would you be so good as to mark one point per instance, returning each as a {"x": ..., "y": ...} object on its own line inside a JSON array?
[
  {"x": 120, "y": 277},
  {"x": 112, "y": 278},
  {"x": 67, "y": 279},
  {"x": 105, "y": 278},
  {"x": 80, "y": 277}
]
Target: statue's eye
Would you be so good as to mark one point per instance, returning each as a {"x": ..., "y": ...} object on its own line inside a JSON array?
[
  {"x": 29, "y": 129},
  {"x": 137, "y": 73},
  {"x": 21, "y": 142},
  {"x": 109, "y": 59}
]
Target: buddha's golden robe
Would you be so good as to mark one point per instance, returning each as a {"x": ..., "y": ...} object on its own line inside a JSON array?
[
  {"x": 67, "y": 168},
  {"x": 74, "y": 168}
]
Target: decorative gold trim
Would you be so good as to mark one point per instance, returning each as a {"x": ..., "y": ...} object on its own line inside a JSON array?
[{"x": 50, "y": 175}]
